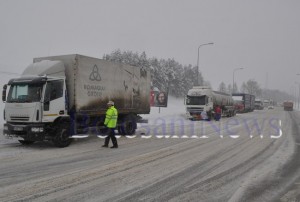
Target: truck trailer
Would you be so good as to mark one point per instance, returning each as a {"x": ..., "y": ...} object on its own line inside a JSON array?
[
  {"x": 243, "y": 102},
  {"x": 60, "y": 97},
  {"x": 203, "y": 98},
  {"x": 288, "y": 105}
]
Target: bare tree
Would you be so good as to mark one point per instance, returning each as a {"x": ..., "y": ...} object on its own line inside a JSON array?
[{"x": 251, "y": 87}]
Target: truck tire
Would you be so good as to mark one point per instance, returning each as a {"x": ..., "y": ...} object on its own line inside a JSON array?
[
  {"x": 26, "y": 142},
  {"x": 62, "y": 137},
  {"x": 128, "y": 125}
]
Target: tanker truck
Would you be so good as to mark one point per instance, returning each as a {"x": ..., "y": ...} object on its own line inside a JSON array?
[
  {"x": 288, "y": 105},
  {"x": 60, "y": 97},
  {"x": 203, "y": 98}
]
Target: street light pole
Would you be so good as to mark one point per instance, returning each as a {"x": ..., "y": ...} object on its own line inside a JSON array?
[
  {"x": 299, "y": 91},
  {"x": 292, "y": 93},
  {"x": 198, "y": 83},
  {"x": 297, "y": 96},
  {"x": 236, "y": 69}
]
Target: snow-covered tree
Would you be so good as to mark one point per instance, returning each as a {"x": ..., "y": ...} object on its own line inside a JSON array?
[
  {"x": 229, "y": 88},
  {"x": 222, "y": 87},
  {"x": 235, "y": 88},
  {"x": 166, "y": 74}
]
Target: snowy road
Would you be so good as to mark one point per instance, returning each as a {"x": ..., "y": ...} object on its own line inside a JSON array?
[{"x": 250, "y": 157}]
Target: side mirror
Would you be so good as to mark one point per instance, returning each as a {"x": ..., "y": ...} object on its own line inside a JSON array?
[{"x": 4, "y": 93}]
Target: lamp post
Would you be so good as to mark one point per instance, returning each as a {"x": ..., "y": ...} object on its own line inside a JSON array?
[
  {"x": 211, "y": 43},
  {"x": 236, "y": 69},
  {"x": 292, "y": 93},
  {"x": 299, "y": 91},
  {"x": 297, "y": 96}
]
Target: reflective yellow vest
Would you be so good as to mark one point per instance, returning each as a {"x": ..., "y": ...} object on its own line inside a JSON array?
[{"x": 111, "y": 117}]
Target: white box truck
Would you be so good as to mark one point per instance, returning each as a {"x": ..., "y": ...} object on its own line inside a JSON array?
[{"x": 59, "y": 97}]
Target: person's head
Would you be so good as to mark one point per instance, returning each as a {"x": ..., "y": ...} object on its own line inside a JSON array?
[
  {"x": 161, "y": 98},
  {"x": 110, "y": 103}
]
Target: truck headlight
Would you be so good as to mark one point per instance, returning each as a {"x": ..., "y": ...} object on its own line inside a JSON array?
[
  {"x": 5, "y": 128},
  {"x": 37, "y": 129}
]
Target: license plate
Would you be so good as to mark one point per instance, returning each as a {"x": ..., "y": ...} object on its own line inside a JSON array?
[{"x": 16, "y": 128}]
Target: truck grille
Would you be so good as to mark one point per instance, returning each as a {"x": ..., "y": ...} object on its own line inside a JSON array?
[
  {"x": 195, "y": 109},
  {"x": 19, "y": 118}
]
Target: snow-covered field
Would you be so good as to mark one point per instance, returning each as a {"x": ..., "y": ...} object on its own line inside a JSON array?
[{"x": 175, "y": 108}]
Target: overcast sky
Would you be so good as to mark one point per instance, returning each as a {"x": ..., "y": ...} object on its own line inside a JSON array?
[{"x": 261, "y": 36}]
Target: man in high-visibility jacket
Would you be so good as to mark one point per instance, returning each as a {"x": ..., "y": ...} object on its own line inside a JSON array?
[{"x": 111, "y": 123}]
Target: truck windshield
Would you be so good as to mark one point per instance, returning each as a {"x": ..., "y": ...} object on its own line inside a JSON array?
[
  {"x": 24, "y": 93},
  {"x": 237, "y": 98},
  {"x": 196, "y": 100}
]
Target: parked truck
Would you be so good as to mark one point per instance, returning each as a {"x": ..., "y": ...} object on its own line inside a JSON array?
[
  {"x": 59, "y": 97},
  {"x": 268, "y": 103},
  {"x": 288, "y": 105},
  {"x": 258, "y": 104},
  {"x": 243, "y": 102},
  {"x": 203, "y": 98}
]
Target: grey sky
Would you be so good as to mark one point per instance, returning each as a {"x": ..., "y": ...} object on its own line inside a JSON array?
[{"x": 261, "y": 36}]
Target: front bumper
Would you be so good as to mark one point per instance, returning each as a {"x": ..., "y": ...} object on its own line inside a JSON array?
[{"x": 33, "y": 132}]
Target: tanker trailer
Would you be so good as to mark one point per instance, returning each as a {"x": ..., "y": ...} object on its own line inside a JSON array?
[{"x": 203, "y": 98}]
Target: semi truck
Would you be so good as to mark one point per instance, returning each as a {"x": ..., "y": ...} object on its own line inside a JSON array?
[
  {"x": 258, "y": 104},
  {"x": 268, "y": 102},
  {"x": 243, "y": 102},
  {"x": 288, "y": 106},
  {"x": 60, "y": 97},
  {"x": 203, "y": 98}
]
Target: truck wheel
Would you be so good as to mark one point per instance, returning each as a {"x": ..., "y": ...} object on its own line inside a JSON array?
[
  {"x": 61, "y": 138},
  {"x": 26, "y": 142},
  {"x": 128, "y": 126}
]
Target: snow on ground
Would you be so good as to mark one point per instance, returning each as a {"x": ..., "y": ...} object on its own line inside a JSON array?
[
  {"x": 164, "y": 120},
  {"x": 175, "y": 108}
]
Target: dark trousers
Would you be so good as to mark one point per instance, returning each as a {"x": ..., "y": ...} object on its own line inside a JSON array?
[
  {"x": 111, "y": 135},
  {"x": 217, "y": 117}
]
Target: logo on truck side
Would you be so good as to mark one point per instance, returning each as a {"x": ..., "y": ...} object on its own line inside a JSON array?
[{"x": 95, "y": 76}]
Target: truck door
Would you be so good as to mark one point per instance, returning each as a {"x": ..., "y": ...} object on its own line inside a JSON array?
[{"x": 54, "y": 102}]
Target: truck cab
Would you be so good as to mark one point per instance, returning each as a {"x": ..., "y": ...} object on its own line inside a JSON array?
[
  {"x": 32, "y": 105},
  {"x": 197, "y": 100},
  {"x": 259, "y": 105}
]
